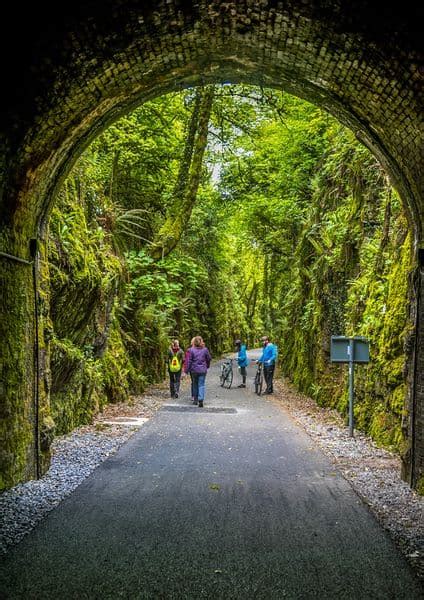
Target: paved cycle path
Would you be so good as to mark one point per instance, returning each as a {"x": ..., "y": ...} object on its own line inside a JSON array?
[{"x": 232, "y": 501}]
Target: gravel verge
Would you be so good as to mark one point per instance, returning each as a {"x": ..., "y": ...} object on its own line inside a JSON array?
[
  {"x": 74, "y": 457},
  {"x": 373, "y": 472}
]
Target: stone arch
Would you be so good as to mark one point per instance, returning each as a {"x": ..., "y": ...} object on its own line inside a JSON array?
[{"x": 98, "y": 60}]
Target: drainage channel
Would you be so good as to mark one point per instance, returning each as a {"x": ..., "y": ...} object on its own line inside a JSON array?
[{"x": 196, "y": 409}]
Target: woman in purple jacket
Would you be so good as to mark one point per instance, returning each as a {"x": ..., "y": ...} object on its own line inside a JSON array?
[{"x": 199, "y": 359}]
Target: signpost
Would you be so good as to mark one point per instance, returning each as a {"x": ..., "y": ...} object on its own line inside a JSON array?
[{"x": 350, "y": 350}]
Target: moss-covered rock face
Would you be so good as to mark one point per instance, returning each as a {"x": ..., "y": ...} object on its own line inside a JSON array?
[
  {"x": 89, "y": 364},
  {"x": 356, "y": 283},
  {"x": 420, "y": 486},
  {"x": 381, "y": 389}
]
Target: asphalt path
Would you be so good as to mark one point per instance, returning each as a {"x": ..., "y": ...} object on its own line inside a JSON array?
[{"x": 232, "y": 501}]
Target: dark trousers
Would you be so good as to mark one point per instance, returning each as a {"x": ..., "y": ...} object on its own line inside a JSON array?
[
  {"x": 243, "y": 374},
  {"x": 192, "y": 386},
  {"x": 269, "y": 375},
  {"x": 174, "y": 383}
]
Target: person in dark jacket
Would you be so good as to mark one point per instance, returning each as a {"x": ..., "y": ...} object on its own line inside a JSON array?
[
  {"x": 175, "y": 366},
  {"x": 199, "y": 360}
]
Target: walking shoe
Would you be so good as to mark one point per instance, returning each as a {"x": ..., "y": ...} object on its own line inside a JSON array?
[
  {"x": 195, "y": 402},
  {"x": 242, "y": 385},
  {"x": 200, "y": 403},
  {"x": 176, "y": 396}
]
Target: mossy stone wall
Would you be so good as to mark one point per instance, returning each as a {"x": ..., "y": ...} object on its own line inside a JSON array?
[{"x": 26, "y": 426}]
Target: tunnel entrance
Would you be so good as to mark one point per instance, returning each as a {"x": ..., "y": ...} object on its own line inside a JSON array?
[{"x": 93, "y": 66}]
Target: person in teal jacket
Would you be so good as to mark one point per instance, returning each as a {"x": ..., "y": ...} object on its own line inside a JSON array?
[
  {"x": 268, "y": 359},
  {"x": 242, "y": 361}
]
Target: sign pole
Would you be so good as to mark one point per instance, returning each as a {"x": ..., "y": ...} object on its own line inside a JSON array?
[
  {"x": 350, "y": 350},
  {"x": 351, "y": 384}
]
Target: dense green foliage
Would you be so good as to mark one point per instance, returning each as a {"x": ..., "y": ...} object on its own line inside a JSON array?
[
  {"x": 289, "y": 227},
  {"x": 333, "y": 238}
]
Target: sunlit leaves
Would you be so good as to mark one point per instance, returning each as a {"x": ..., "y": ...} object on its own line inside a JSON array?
[{"x": 295, "y": 232}]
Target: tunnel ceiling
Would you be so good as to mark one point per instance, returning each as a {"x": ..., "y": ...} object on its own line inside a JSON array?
[{"x": 73, "y": 68}]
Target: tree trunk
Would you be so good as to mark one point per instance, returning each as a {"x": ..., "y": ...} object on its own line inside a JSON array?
[{"x": 187, "y": 185}]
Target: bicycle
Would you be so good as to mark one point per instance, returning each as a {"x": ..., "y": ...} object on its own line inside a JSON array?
[
  {"x": 226, "y": 375},
  {"x": 259, "y": 379}
]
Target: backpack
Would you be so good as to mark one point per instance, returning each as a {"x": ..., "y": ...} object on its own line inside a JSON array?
[{"x": 175, "y": 364}]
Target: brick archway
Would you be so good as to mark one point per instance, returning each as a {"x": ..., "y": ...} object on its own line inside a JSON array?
[{"x": 82, "y": 69}]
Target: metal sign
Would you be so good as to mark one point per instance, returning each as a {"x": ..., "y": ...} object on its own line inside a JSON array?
[
  {"x": 342, "y": 351},
  {"x": 350, "y": 350}
]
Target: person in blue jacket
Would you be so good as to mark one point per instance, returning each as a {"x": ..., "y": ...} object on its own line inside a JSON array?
[
  {"x": 242, "y": 361},
  {"x": 268, "y": 359}
]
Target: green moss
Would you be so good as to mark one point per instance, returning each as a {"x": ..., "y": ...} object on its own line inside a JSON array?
[
  {"x": 352, "y": 280},
  {"x": 17, "y": 407},
  {"x": 118, "y": 374},
  {"x": 420, "y": 486}
]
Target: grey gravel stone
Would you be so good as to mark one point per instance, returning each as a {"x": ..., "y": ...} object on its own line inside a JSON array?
[{"x": 74, "y": 457}]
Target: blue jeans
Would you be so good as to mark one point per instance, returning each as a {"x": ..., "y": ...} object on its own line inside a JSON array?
[{"x": 199, "y": 386}]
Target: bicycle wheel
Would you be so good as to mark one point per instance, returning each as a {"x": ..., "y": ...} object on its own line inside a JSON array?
[
  {"x": 228, "y": 379},
  {"x": 259, "y": 381},
  {"x": 222, "y": 377}
]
